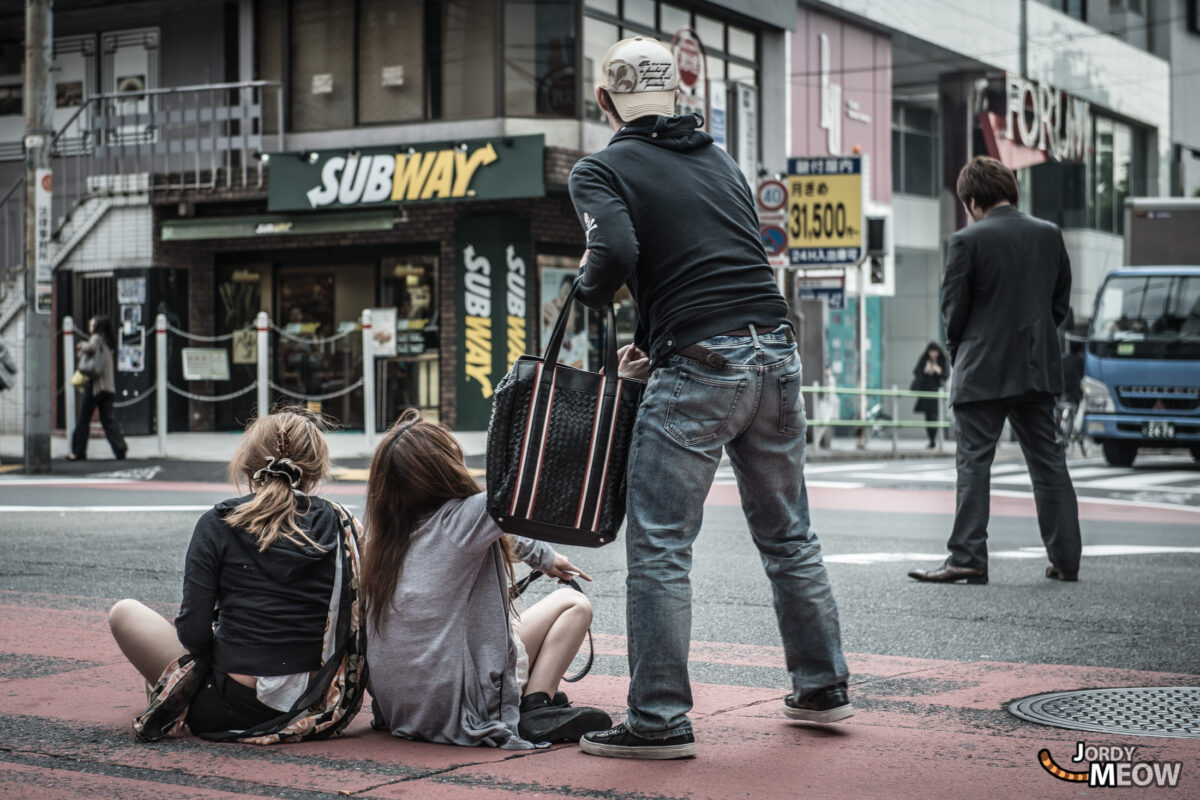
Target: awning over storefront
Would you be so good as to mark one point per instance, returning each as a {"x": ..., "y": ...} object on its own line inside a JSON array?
[{"x": 264, "y": 225}]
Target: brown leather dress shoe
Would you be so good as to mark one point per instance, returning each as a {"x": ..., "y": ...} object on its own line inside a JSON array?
[
  {"x": 948, "y": 573},
  {"x": 1053, "y": 573}
]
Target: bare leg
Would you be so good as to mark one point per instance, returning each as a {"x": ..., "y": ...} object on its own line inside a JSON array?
[
  {"x": 552, "y": 629},
  {"x": 146, "y": 638}
]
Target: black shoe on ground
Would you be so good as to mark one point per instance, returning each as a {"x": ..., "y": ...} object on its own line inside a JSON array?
[
  {"x": 823, "y": 705},
  {"x": 620, "y": 742},
  {"x": 1053, "y": 573},
  {"x": 544, "y": 720}
]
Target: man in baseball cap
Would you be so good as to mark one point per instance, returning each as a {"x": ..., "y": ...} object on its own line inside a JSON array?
[
  {"x": 668, "y": 214},
  {"x": 638, "y": 78}
]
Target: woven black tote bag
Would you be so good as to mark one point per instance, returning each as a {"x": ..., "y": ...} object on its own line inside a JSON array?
[{"x": 558, "y": 443}]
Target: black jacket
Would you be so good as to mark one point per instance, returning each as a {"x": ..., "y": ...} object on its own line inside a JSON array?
[
  {"x": 273, "y": 604},
  {"x": 668, "y": 213},
  {"x": 1006, "y": 289}
]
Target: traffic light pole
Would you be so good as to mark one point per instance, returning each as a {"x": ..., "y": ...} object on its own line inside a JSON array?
[{"x": 39, "y": 349}]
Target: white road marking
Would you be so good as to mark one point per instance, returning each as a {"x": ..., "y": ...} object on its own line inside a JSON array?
[
  {"x": 729, "y": 481},
  {"x": 1107, "y": 501},
  {"x": 1089, "y": 551},
  {"x": 1146, "y": 480},
  {"x": 95, "y": 509}
]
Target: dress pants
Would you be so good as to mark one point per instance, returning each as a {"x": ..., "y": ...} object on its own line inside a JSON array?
[{"x": 978, "y": 427}]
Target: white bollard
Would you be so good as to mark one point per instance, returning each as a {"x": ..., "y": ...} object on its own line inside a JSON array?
[
  {"x": 895, "y": 419},
  {"x": 264, "y": 364},
  {"x": 368, "y": 380},
  {"x": 160, "y": 381},
  {"x": 68, "y": 373}
]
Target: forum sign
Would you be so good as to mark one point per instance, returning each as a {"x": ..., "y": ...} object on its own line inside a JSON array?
[{"x": 1043, "y": 118}]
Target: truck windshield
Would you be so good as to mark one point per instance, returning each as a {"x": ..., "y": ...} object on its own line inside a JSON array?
[{"x": 1156, "y": 308}]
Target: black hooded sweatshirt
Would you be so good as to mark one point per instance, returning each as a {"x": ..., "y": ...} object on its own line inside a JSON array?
[
  {"x": 273, "y": 604},
  {"x": 669, "y": 213}
]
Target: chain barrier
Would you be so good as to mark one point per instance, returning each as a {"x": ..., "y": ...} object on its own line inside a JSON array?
[
  {"x": 212, "y": 398},
  {"x": 310, "y": 340},
  {"x": 134, "y": 401},
  {"x": 317, "y": 397},
  {"x": 224, "y": 337}
]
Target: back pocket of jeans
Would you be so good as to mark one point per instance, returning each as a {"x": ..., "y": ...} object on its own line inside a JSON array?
[
  {"x": 700, "y": 407},
  {"x": 791, "y": 404}
]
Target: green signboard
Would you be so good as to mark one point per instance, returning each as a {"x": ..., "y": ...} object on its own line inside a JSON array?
[
  {"x": 474, "y": 169},
  {"x": 491, "y": 285}
]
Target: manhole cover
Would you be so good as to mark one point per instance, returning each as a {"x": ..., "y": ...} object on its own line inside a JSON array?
[{"x": 1169, "y": 711}]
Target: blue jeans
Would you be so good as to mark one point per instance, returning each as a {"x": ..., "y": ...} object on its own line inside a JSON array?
[{"x": 752, "y": 407}]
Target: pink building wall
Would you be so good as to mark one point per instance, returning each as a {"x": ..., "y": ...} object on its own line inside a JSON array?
[{"x": 861, "y": 63}]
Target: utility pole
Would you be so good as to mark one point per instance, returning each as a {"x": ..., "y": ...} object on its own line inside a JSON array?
[{"x": 39, "y": 278}]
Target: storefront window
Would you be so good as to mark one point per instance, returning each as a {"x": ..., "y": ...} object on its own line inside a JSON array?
[
  {"x": 539, "y": 58},
  {"x": 582, "y": 343},
  {"x": 391, "y": 60},
  {"x": 468, "y": 60},
  {"x": 322, "y": 65},
  {"x": 409, "y": 379},
  {"x": 914, "y": 150},
  {"x": 597, "y": 38}
]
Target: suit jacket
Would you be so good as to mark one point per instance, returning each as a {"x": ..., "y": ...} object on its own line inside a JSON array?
[{"x": 1005, "y": 291}]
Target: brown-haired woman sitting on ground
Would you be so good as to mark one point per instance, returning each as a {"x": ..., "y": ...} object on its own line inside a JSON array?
[
  {"x": 446, "y": 664},
  {"x": 280, "y": 566}
]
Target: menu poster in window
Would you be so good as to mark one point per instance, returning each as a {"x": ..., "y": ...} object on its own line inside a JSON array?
[
  {"x": 383, "y": 331},
  {"x": 131, "y": 291},
  {"x": 205, "y": 364},
  {"x": 555, "y": 286},
  {"x": 245, "y": 346}
]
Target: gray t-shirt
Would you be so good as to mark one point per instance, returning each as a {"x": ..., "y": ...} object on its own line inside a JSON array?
[{"x": 443, "y": 661}]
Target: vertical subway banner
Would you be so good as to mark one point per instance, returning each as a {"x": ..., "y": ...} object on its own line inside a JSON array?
[{"x": 491, "y": 296}]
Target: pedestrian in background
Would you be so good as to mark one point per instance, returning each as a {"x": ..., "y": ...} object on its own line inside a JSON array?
[
  {"x": 99, "y": 391},
  {"x": 668, "y": 214},
  {"x": 1005, "y": 292},
  {"x": 928, "y": 376}
]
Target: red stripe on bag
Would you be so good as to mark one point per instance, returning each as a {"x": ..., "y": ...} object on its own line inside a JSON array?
[
  {"x": 607, "y": 454},
  {"x": 537, "y": 473},
  {"x": 587, "y": 477},
  {"x": 537, "y": 384}
]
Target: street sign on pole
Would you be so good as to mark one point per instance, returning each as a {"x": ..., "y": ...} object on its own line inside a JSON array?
[{"x": 825, "y": 211}]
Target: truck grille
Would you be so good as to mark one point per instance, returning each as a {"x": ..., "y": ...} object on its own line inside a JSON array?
[{"x": 1160, "y": 398}]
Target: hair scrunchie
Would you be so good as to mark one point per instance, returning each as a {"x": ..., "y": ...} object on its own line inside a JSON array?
[{"x": 282, "y": 468}]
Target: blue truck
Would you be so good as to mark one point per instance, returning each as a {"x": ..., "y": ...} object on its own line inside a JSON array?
[{"x": 1141, "y": 386}]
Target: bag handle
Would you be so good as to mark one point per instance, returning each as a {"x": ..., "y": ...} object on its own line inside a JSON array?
[
  {"x": 520, "y": 586},
  {"x": 550, "y": 357}
]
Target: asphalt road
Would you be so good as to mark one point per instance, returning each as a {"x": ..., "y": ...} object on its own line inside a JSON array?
[{"x": 1130, "y": 609}]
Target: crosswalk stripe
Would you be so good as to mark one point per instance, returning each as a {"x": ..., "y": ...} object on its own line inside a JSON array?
[{"x": 1089, "y": 551}]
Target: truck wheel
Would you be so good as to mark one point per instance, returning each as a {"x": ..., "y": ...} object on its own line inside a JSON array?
[{"x": 1119, "y": 453}]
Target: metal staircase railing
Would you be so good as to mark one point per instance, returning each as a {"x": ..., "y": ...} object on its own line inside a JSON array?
[{"x": 183, "y": 139}]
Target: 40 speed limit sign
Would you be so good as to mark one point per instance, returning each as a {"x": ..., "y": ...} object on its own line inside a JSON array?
[{"x": 825, "y": 210}]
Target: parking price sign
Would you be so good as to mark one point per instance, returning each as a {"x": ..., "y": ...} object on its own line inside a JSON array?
[{"x": 824, "y": 221}]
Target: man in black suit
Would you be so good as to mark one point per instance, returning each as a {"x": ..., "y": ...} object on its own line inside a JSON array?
[{"x": 1005, "y": 291}]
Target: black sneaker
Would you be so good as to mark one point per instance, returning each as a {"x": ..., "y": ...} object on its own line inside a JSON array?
[
  {"x": 620, "y": 742},
  {"x": 543, "y": 719},
  {"x": 823, "y": 705}
]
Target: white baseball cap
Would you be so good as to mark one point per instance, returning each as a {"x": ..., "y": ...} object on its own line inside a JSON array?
[{"x": 640, "y": 76}]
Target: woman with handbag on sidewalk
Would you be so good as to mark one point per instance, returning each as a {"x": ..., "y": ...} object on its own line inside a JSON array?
[
  {"x": 96, "y": 365},
  {"x": 451, "y": 660}
]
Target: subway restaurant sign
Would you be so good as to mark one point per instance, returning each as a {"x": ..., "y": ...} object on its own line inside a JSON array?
[
  {"x": 491, "y": 285},
  {"x": 473, "y": 169}
]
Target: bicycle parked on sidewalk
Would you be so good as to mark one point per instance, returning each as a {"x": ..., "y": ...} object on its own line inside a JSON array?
[{"x": 1068, "y": 424}]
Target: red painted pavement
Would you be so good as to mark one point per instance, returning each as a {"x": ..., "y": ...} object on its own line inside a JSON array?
[{"x": 928, "y": 729}]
